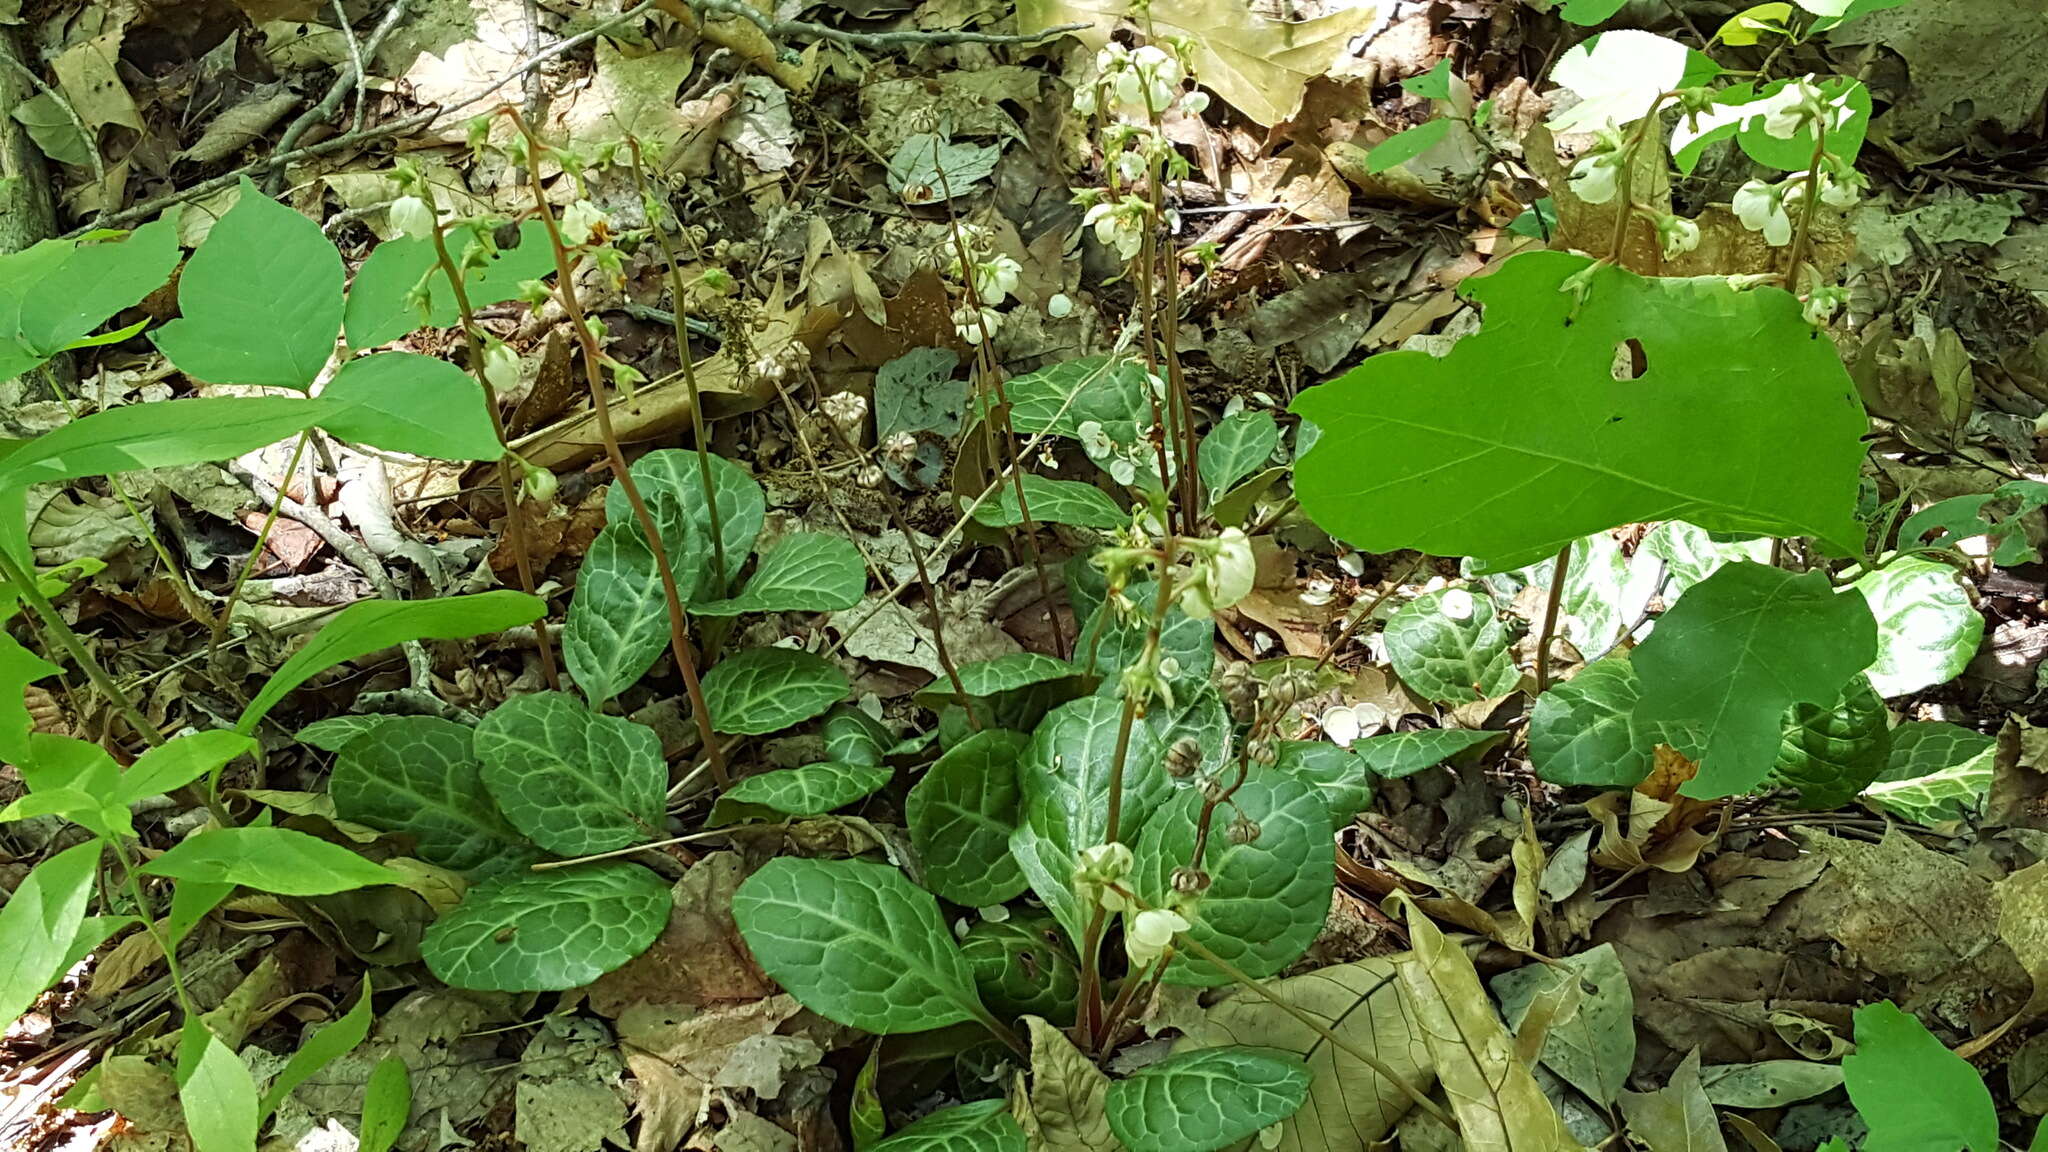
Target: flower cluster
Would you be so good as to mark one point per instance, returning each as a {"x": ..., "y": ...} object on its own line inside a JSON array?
[
  {"x": 993, "y": 277},
  {"x": 1133, "y": 89}
]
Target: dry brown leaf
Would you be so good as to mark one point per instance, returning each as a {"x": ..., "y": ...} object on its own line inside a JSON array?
[{"x": 1069, "y": 1095}]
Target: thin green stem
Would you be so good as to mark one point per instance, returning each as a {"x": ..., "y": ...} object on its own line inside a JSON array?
[{"x": 164, "y": 944}]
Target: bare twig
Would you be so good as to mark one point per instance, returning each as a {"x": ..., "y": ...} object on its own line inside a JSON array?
[
  {"x": 360, "y": 54},
  {"x": 92, "y": 144}
]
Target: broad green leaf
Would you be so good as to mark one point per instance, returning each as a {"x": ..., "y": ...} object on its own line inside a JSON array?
[
  {"x": 1450, "y": 646},
  {"x": 1590, "y": 11},
  {"x": 985, "y": 678},
  {"x": 183, "y": 759},
  {"x": 812, "y": 790},
  {"x": 191, "y": 900},
  {"x": 1430, "y": 453},
  {"x": 1023, "y": 967},
  {"x": 618, "y": 623},
  {"x": 75, "y": 779},
  {"x": 372, "y": 625},
  {"x": 387, "y": 1103},
  {"x": 769, "y": 689},
  {"x": 1397, "y": 754},
  {"x": 857, "y": 943},
  {"x": 1691, "y": 554},
  {"x": 673, "y": 487},
  {"x": 1935, "y": 772},
  {"x": 1915, "y": 1094},
  {"x": 165, "y": 434},
  {"x": 378, "y": 311},
  {"x": 1736, "y": 651},
  {"x": 1583, "y": 730},
  {"x": 419, "y": 776},
  {"x": 1405, "y": 146},
  {"x": 1235, "y": 448},
  {"x": 1345, "y": 784},
  {"x": 216, "y": 1093},
  {"x": 321, "y": 1049},
  {"x": 1768, "y": 1083},
  {"x": 916, "y": 392},
  {"x": 1059, "y": 398},
  {"x": 334, "y": 733},
  {"x": 402, "y": 402},
  {"x": 1109, "y": 642},
  {"x": 1052, "y": 502},
  {"x": 1831, "y": 753},
  {"x": 275, "y": 860},
  {"x": 960, "y": 817},
  {"x": 1063, "y": 781},
  {"x": 1677, "y": 1117},
  {"x": 983, "y": 1126},
  {"x": 854, "y": 737},
  {"x": 58, "y": 291},
  {"x": 545, "y": 931},
  {"x": 1267, "y": 899},
  {"x": 38, "y": 923},
  {"x": 805, "y": 572},
  {"x": 1738, "y": 110},
  {"x": 19, "y": 668},
  {"x": 1207, "y": 1099},
  {"x": 573, "y": 781},
  {"x": 260, "y": 299},
  {"x": 1594, "y": 1049},
  {"x": 1927, "y": 628}
]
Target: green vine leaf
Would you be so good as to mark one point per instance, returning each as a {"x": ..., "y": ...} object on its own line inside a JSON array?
[
  {"x": 1398, "y": 754},
  {"x": 1206, "y": 1100},
  {"x": 1429, "y": 453},
  {"x": 1052, "y": 502},
  {"x": 806, "y": 572},
  {"x": 1450, "y": 646},
  {"x": 1936, "y": 772},
  {"x": 54, "y": 293},
  {"x": 546, "y": 931},
  {"x": 857, "y": 943},
  {"x": 1267, "y": 899},
  {"x": 961, "y": 815},
  {"x": 402, "y": 402},
  {"x": 260, "y": 301},
  {"x": 618, "y": 622},
  {"x": 378, "y": 311},
  {"x": 573, "y": 781},
  {"x": 812, "y": 790},
  {"x": 1734, "y": 653},
  {"x": 769, "y": 689},
  {"x": 276, "y": 860},
  {"x": 1831, "y": 753},
  {"x": 419, "y": 776},
  {"x": 983, "y": 1126},
  {"x": 1927, "y": 628}
]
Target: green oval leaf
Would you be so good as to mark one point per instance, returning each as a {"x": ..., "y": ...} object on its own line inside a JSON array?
[
  {"x": 1052, "y": 502},
  {"x": 1912, "y": 1091},
  {"x": 1397, "y": 754},
  {"x": 769, "y": 689},
  {"x": 38, "y": 922},
  {"x": 378, "y": 310},
  {"x": 183, "y": 759},
  {"x": 1405, "y": 146},
  {"x": 961, "y": 815},
  {"x": 805, "y": 572},
  {"x": 1345, "y": 784},
  {"x": 854, "y": 737},
  {"x": 1583, "y": 731},
  {"x": 1927, "y": 628},
  {"x": 1023, "y": 968},
  {"x": 672, "y": 484},
  {"x": 573, "y": 781},
  {"x": 812, "y": 790},
  {"x": 618, "y": 623},
  {"x": 419, "y": 776},
  {"x": 857, "y": 943},
  {"x": 545, "y": 931},
  {"x": 276, "y": 860},
  {"x": 1059, "y": 398},
  {"x": 402, "y": 402},
  {"x": 1450, "y": 646},
  {"x": 1205, "y": 1100},
  {"x": 1235, "y": 448},
  {"x": 57, "y": 291},
  {"x": 983, "y": 1126},
  {"x": 1113, "y": 642}
]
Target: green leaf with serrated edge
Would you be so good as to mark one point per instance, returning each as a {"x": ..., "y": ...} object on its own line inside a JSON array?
[
  {"x": 1235, "y": 448},
  {"x": 1829, "y": 754},
  {"x": 673, "y": 487},
  {"x": 812, "y": 790},
  {"x": 387, "y": 1104},
  {"x": 1267, "y": 899},
  {"x": 372, "y": 625},
  {"x": 1927, "y": 628},
  {"x": 1768, "y": 1083},
  {"x": 275, "y": 860},
  {"x": 1063, "y": 782},
  {"x": 1110, "y": 642},
  {"x": 854, "y": 737},
  {"x": 1583, "y": 731},
  {"x": 1594, "y": 1049},
  {"x": 38, "y": 923},
  {"x": 805, "y": 572},
  {"x": 402, "y": 402},
  {"x": 321, "y": 1049},
  {"x": 1913, "y": 1092},
  {"x": 1207, "y": 1099},
  {"x": 1405, "y": 146},
  {"x": 379, "y": 311},
  {"x": 1052, "y": 502},
  {"x": 19, "y": 668},
  {"x": 260, "y": 301},
  {"x": 915, "y": 392},
  {"x": 1022, "y": 966},
  {"x": 1691, "y": 555},
  {"x": 1424, "y": 452},
  {"x": 1345, "y": 784},
  {"x": 1450, "y": 646},
  {"x": 419, "y": 776},
  {"x": 857, "y": 943},
  {"x": 546, "y": 931},
  {"x": 1396, "y": 754},
  {"x": 179, "y": 762},
  {"x": 331, "y": 734},
  {"x": 573, "y": 781},
  {"x": 960, "y": 817},
  {"x": 58, "y": 291},
  {"x": 1935, "y": 772},
  {"x": 769, "y": 689},
  {"x": 1737, "y": 650},
  {"x": 216, "y": 1093},
  {"x": 618, "y": 623},
  {"x": 983, "y": 1126},
  {"x": 1059, "y": 398}
]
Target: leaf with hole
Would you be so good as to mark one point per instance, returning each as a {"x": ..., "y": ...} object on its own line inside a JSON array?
[
  {"x": 1733, "y": 654},
  {"x": 961, "y": 815},
  {"x": 769, "y": 689},
  {"x": 1451, "y": 647},
  {"x": 1829, "y": 754},
  {"x": 260, "y": 301},
  {"x": 1205, "y": 1100},
  {"x": 1927, "y": 627},
  {"x": 983, "y": 1126},
  {"x": 275, "y": 860},
  {"x": 573, "y": 781},
  {"x": 804, "y": 572},
  {"x": 1051, "y": 502},
  {"x": 402, "y": 402},
  {"x": 419, "y": 776},
  {"x": 381, "y": 307},
  {"x": 857, "y": 943},
  {"x": 812, "y": 790},
  {"x": 546, "y": 931},
  {"x": 1429, "y": 453},
  {"x": 1999, "y": 515},
  {"x": 1234, "y": 449},
  {"x": 1935, "y": 772}
]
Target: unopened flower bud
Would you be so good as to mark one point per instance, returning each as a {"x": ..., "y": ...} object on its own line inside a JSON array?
[
  {"x": 537, "y": 483},
  {"x": 1291, "y": 687},
  {"x": 411, "y": 217},
  {"x": 1212, "y": 789},
  {"x": 1244, "y": 830},
  {"x": 501, "y": 366},
  {"x": 1103, "y": 864},
  {"x": 1240, "y": 689}
]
